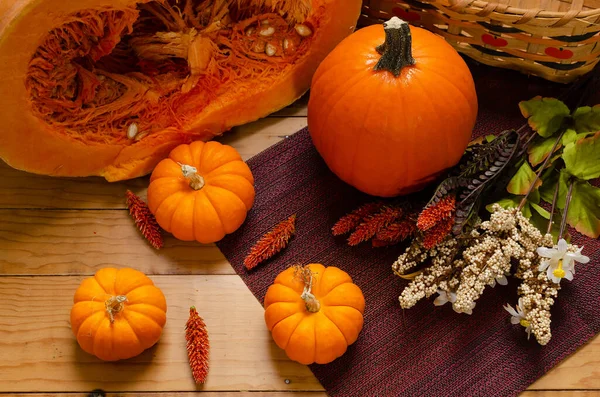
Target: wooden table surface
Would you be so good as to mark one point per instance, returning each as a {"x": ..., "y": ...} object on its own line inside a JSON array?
[{"x": 56, "y": 231}]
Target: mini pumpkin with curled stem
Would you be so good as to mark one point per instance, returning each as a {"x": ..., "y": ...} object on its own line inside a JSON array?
[
  {"x": 201, "y": 192},
  {"x": 118, "y": 313},
  {"x": 314, "y": 312}
]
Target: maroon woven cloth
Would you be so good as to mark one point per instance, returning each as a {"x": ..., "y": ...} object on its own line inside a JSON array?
[{"x": 426, "y": 350}]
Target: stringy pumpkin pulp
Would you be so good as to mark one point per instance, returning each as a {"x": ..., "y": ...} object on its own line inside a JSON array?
[{"x": 165, "y": 72}]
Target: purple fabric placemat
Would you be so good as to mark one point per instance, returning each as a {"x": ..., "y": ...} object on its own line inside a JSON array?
[{"x": 426, "y": 350}]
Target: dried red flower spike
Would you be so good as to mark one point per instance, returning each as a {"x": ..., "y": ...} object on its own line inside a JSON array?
[
  {"x": 435, "y": 213},
  {"x": 437, "y": 233},
  {"x": 374, "y": 224},
  {"x": 271, "y": 243},
  {"x": 395, "y": 232},
  {"x": 198, "y": 346},
  {"x": 349, "y": 222},
  {"x": 144, "y": 219}
]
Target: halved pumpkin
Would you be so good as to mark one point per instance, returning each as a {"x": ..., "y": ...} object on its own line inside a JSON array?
[{"x": 109, "y": 87}]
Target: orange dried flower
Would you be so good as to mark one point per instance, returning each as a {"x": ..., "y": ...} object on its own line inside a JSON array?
[
  {"x": 395, "y": 232},
  {"x": 374, "y": 224},
  {"x": 437, "y": 233},
  {"x": 144, "y": 220},
  {"x": 440, "y": 211},
  {"x": 271, "y": 243},
  {"x": 349, "y": 222},
  {"x": 198, "y": 346}
]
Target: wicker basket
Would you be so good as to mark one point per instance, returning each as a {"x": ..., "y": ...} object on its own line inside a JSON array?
[{"x": 557, "y": 40}]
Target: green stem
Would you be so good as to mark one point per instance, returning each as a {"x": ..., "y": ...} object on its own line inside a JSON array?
[{"x": 396, "y": 51}]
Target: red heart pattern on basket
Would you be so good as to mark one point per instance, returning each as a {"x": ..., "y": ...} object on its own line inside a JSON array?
[
  {"x": 406, "y": 15},
  {"x": 559, "y": 53},
  {"x": 493, "y": 40}
]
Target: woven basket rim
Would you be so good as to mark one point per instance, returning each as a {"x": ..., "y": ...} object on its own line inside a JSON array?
[{"x": 521, "y": 11}]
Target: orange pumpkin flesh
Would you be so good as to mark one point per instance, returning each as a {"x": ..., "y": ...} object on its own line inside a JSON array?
[
  {"x": 201, "y": 192},
  {"x": 384, "y": 134},
  {"x": 317, "y": 328},
  {"x": 77, "y": 76},
  {"x": 117, "y": 314}
]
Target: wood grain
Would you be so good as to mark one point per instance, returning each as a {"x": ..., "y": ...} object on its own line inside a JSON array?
[
  {"x": 545, "y": 393},
  {"x": 36, "y": 242},
  {"x": 39, "y": 353},
  {"x": 20, "y": 189}
]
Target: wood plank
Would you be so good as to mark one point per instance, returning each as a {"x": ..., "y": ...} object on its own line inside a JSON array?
[
  {"x": 38, "y": 352},
  {"x": 579, "y": 371},
  {"x": 20, "y": 189},
  {"x": 35, "y": 335},
  {"x": 190, "y": 394},
  {"x": 541, "y": 393},
  {"x": 37, "y": 242}
]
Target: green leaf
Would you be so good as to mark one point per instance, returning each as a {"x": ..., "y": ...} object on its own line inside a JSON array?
[
  {"x": 545, "y": 214},
  {"x": 545, "y": 115},
  {"x": 506, "y": 202},
  {"x": 541, "y": 223},
  {"x": 587, "y": 119},
  {"x": 547, "y": 189},
  {"x": 584, "y": 209},
  {"x": 582, "y": 158},
  {"x": 569, "y": 136},
  {"x": 512, "y": 202},
  {"x": 522, "y": 180},
  {"x": 526, "y": 210},
  {"x": 540, "y": 149},
  {"x": 534, "y": 196}
]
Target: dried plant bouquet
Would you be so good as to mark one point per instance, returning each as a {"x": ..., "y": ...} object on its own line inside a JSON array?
[{"x": 531, "y": 183}]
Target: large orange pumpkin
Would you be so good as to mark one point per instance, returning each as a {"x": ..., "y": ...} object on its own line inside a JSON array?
[
  {"x": 314, "y": 312},
  {"x": 118, "y": 314},
  {"x": 109, "y": 87},
  {"x": 391, "y": 107},
  {"x": 201, "y": 192}
]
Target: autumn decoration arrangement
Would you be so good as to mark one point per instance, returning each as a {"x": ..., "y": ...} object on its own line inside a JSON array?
[
  {"x": 124, "y": 91},
  {"x": 457, "y": 252},
  {"x": 392, "y": 108},
  {"x": 314, "y": 312},
  {"x": 110, "y": 88}
]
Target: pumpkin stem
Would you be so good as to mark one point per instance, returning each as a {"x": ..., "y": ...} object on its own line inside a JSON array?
[
  {"x": 306, "y": 275},
  {"x": 191, "y": 173},
  {"x": 114, "y": 305},
  {"x": 396, "y": 51}
]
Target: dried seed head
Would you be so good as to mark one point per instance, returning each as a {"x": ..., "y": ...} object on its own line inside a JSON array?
[
  {"x": 132, "y": 130},
  {"x": 267, "y": 31},
  {"x": 270, "y": 49},
  {"x": 303, "y": 30}
]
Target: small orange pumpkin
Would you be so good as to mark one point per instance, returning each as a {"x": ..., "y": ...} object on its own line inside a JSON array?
[
  {"x": 391, "y": 107},
  {"x": 201, "y": 192},
  {"x": 314, "y": 312},
  {"x": 117, "y": 314}
]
